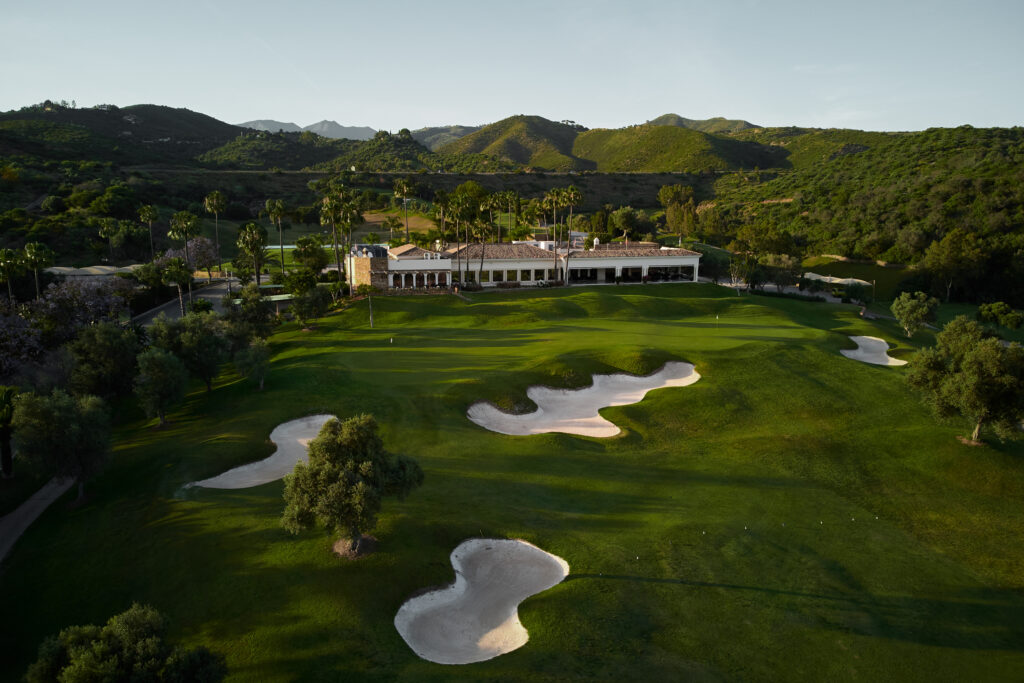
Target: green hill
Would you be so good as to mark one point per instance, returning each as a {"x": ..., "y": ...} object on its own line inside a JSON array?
[
  {"x": 528, "y": 140},
  {"x": 435, "y": 137},
  {"x": 713, "y": 125},
  {"x": 662, "y": 149},
  {"x": 807, "y": 146},
  {"x": 289, "y": 151},
  {"x": 143, "y": 132}
]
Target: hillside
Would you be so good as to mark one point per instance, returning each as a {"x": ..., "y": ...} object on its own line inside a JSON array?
[
  {"x": 287, "y": 151},
  {"x": 716, "y": 125},
  {"x": 435, "y": 137},
  {"x": 109, "y": 133},
  {"x": 529, "y": 140},
  {"x": 808, "y": 146},
  {"x": 663, "y": 149}
]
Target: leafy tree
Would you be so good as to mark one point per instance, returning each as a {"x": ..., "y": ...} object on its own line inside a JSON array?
[
  {"x": 969, "y": 374},
  {"x": 161, "y": 382},
  {"x": 199, "y": 340},
  {"x": 147, "y": 214},
  {"x": 254, "y": 313},
  {"x": 913, "y": 310},
  {"x": 130, "y": 647},
  {"x": 10, "y": 265},
  {"x": 184, "y": 226},
  {"x": 69, "y": 435},
  {"x": 783, "y": 269},
  {"x": 309, "y": 251},
  {"x": 7, "y": 395},
  {"x": 953, "y": 257},
  {"x": 104, "y": 360},
  {"x": 35, "y": 256},
  {"x": 1000, "y": 313},
  {"x": 108, "y": 230},
  {"x": 348, "y": 474},
  {"x": 216, "y": 202},
  {"x": 252, "y": 241},
  {"x": 310, "y": 305},
  {"x": 253, "y": 361},
  {"x": 391, "y": 223}
]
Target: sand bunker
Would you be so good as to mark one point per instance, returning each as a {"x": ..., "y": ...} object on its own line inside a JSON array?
[
  {"x": 871, "y": 350},
  {"x": 292, "y": 440},
  {"x": 575, "y": 411},
  {"x": 476, "y": 618}
]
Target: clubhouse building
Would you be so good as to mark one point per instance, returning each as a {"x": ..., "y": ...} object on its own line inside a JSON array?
[{"x": 520, "y": 264}]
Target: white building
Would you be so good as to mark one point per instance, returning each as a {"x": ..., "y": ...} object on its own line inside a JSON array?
[{"x": 519, "y": 265}]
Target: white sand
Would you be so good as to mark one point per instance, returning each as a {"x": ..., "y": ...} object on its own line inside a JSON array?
[
  {"x": 871, "y": 350},
  {"x": 575, "y": 411},
  {"x": 476, "y": 618},
  {"x": 292, "y": 440}
]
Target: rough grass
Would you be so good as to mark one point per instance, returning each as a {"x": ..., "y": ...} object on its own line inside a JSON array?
[
  {"x": 794, "y": 515},
  {"x": 887, "y": 278}
]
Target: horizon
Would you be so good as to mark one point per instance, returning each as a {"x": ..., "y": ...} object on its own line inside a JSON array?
[{"x": 875, "y": 67}]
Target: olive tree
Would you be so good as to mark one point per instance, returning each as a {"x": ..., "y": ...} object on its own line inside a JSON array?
[
  {"x": 161, "y": 382},
  {"x": 69, "y": 435},
  {"x": 913, "y": 310},
  {"x": 347, "y": 476},
  {"x": 970, "y": 374}
]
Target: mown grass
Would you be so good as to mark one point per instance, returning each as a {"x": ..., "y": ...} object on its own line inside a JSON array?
[{"x": 794, "y": 515}]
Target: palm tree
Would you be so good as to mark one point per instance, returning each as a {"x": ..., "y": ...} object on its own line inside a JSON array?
[
  {"x": 252, "y": 241},
  {"x": 108, "y": 228},
  {"x": 275, "y": 212},
  {"x": 551, "y": 201},
  {"x": 35, "y": 256},
  {"x": 571, "y": 197},
  {"x": 175, "y": 273},
  {"x": 185, "y": 226},
  {"x": 442, "y": 204},
  {"x": 392, "y": 222},
  {"x": 459, "y": 204},
  {"x": 147, "y": 214},
  {"x": 215, "y": 203},
  {"x": 403, "y": 189},
  {"x": 329, "y": 216},
  {"x": 10, "y": 265},
  {"x": 482, "y": 230}
]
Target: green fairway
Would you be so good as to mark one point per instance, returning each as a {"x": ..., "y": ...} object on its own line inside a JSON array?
[{"x": 792, "y": 516}]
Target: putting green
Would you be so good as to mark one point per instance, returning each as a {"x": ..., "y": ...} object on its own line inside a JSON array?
[{"x": 791, "y": 516}]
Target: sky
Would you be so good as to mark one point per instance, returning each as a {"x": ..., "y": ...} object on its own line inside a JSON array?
[{"x": 895, "y": 65}]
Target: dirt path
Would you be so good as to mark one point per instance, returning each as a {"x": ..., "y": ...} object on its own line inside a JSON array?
[{"x": 14, "y": 524}]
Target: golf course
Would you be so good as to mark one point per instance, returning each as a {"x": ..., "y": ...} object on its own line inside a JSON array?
[{"x": 794, "y": 515}]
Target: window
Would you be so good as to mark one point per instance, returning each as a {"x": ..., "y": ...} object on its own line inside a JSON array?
[
  {"x": 512, "y": 275},
  {"x": 485, "y": 276},
  {"x": 524, "y": 276},
  {"x": 498, "y": 275},
  {"x": 538, "y": 274}
]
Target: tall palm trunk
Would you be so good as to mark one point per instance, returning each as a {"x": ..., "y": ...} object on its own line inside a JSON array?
[
  {"x": 337, "y": 252},
  {"x": 35, "y": 271},
  {"x": 458, "y": 252},
  {"x": 152, "y": 248},
  {"x": 280, "y": 242},
  {"x": 188, "y": 265}
]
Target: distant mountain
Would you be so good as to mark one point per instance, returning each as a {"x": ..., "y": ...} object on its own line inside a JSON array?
[
  {"x": 433, "y": 138},
  {"x": 328, "y": 129},
  {"x": 271, "y": 126},
  {"x": 529, "y": 140},
  {"x": 717, "y": 125},
  {"x": 334, "y": 130}
]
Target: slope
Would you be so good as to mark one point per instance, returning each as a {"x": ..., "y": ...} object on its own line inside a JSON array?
[
  {"x": 661, "y": 149},
  {"x": 529, "y": 140},
  {"x": 435, "y": 137}
]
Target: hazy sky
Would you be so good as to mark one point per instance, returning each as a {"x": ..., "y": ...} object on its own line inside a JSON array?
[{"x": 893, "y": 65}]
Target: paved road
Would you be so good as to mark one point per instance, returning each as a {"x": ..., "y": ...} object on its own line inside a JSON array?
[{"x": 213, "y": 293}]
